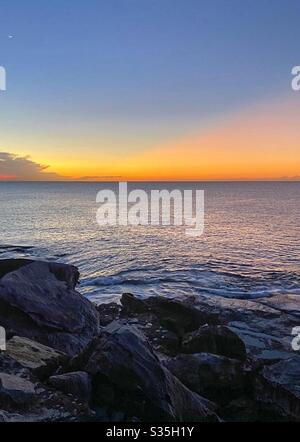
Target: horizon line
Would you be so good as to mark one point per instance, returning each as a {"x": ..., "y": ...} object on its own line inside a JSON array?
[{"x": 262, "y": 180}]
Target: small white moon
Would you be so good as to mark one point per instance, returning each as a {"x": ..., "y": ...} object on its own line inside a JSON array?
[{"x": 10, "y": 36}]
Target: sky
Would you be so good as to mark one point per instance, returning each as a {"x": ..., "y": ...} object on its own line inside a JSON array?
[{"x": 149, "y": 89}]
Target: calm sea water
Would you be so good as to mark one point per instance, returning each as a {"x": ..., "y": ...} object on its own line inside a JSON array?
[{"x": 250, "y": 247}]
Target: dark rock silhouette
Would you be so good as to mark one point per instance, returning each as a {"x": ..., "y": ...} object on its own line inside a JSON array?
[{"x": 198, "y": 358}]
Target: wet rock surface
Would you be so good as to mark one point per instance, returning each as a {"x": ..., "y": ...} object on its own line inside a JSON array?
[
  {"x": 194, "y": 359},
  {"x": 38, "y": 301}
]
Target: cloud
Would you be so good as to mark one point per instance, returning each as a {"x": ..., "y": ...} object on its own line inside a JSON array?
[{"x": 14, "y": 167}]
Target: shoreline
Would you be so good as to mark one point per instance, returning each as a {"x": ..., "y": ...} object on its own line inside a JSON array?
[{"x": 196, "y": 359}]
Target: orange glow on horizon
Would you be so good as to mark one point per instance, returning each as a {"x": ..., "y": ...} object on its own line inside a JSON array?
[{"x": 262, "y": 143}]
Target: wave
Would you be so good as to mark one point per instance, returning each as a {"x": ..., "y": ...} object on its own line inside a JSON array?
[{"x": 207, "y": 281}]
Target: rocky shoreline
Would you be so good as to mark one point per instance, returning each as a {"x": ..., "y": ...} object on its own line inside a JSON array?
[{"x": 200, "y": 359}]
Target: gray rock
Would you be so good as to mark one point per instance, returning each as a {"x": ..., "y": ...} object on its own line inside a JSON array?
[
  {"x": 11, "y": 265},
  {"x": 10, "y": 417},
  {"x": 37, "y": 305},
  {"x": 218, "y": 378},
  {"x": 265, "y": 330},
  {"x": 133, "y": 305},
  {"x": 128, "y": 376},
  {"x": 279, "y": 384},
  {"x": 41, "y": 360},
  {"x": 108, "y": 313},
  {"x": 77, "y": 383},
  {"x": 179, "y": 317},
  {"x": 15, "y": 390},
  {"x": 283, "y": 303},
  {"x": 63, "y": 272},
  {"x": 216, "y": 339}
]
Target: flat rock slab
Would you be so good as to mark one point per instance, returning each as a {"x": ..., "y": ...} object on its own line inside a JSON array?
[
  {"x": 264, "y": 325},
  {"x": 16, "y": 390},
  {"x": 41, "y": 360},
  {"x": 284, "y": 303}
]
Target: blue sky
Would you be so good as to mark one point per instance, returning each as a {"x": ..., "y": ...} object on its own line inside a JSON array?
[{"x": 135, "y": 73}]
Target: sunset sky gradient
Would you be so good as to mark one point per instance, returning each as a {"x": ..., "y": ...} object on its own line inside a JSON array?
[{"x": 149, "y": 90}]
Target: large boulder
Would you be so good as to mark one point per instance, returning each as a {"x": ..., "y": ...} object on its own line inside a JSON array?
[
  {"x": 179, "y": 317},
  {"x": 216, "y": 339},
  {"x": 265, "y": 326},
  {"x": 133, "y": 305},
  {"x": 63, "y": 272},
  {"x": 218, "y": 378},
  {"x": 128, "y": 376},
  {"x": 278, "y": 385},
  {"x": 38, "y": 301}
]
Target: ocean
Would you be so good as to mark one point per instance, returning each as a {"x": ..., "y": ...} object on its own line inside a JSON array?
[{"x": 250, "y": 246}]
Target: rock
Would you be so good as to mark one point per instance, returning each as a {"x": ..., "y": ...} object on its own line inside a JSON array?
[
  {"x": 161, "y": 339},
  {"x": 108, "y": 313},
  {"x": 242, "y": 410},
  {"x": 278, "y": 385},
  {"x": 127, "y": 376},
  {"x": 246, "y": 368},
  {"x": 9, "y": 417},
  {"x": 283, "y": 303},
  {"x": 15, "y": 390},
  {"x": 11, "y": 265},
  {"x": 187, "y": 405},
  {"x": 216, "y": 339},
  {"x": 133, "y": 305},
  {"x": 42, "y": 361},
  {"x": 77, "y": 383},
  {"x": 264, "y": 329},
  {"x": 63, "y": 272},
  {"x": 11, "y": 366},
  {"x": 218, "y": 378},
  {"x": 178, "y": 317},
  {"x": 37, "y": 305},
  {"x": 166, "y": 342}
]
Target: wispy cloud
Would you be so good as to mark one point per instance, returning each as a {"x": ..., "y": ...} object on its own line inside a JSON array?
[{"x": 14, "y": 167}]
